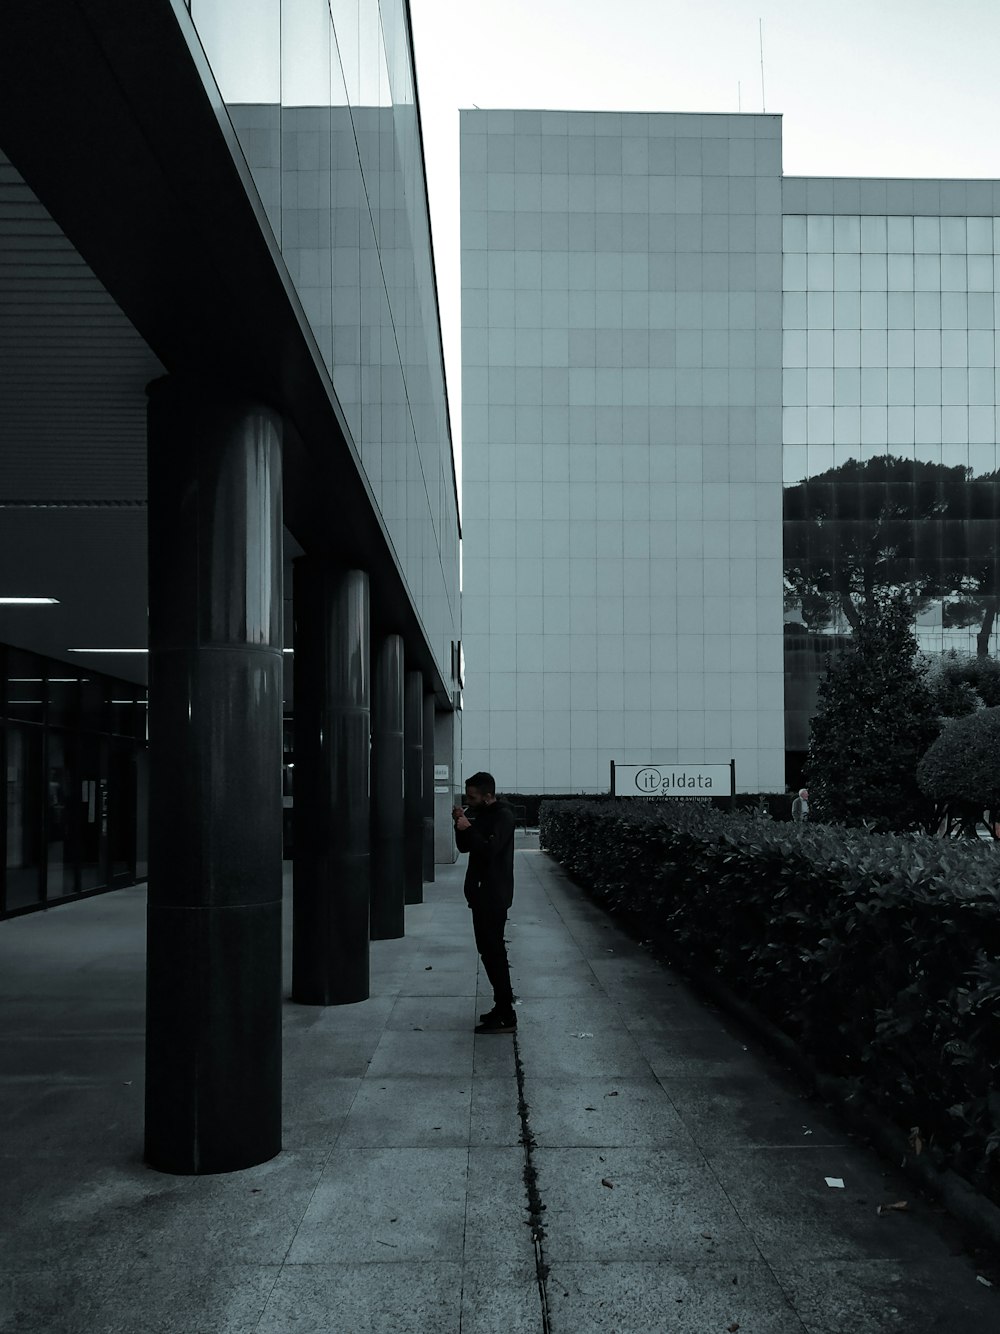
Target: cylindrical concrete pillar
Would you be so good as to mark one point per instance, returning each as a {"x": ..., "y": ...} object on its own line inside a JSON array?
[
  {"x": 387, "y": 827},
  {"x": 428, "y": 803},
  {"x": 413, "y": 786},
  {"x": 213, "y": 999},
  {"x": 332, "y": 863}
]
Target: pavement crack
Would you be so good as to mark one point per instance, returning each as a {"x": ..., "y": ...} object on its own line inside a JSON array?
[{"x": 535, "y": 1206}]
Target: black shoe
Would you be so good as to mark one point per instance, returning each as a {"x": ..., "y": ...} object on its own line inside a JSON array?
[
  {"x": 498, "y": 1021},
  {"x": 492, "y": 1014}
]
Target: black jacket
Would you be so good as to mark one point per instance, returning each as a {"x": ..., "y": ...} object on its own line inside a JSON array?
[{"x": 489, "y": 881}]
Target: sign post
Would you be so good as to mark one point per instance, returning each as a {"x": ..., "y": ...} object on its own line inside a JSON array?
[{"x": 674, "y": 780}]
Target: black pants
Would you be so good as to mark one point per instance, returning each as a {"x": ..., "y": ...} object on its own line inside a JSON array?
[{"x": 488, "y": 923}]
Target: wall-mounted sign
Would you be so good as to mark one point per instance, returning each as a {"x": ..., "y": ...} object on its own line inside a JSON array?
[
  {"x": 673, "y": 780},
  {"x": 441, "y": 771}
]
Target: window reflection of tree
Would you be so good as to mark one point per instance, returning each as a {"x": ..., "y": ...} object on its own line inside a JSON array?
[{"x": 925, "y": 530}]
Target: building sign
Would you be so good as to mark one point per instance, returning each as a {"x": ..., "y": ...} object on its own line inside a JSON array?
[
  {"x": 441, "y": 771},
  {"x": 673, "y": 780}
]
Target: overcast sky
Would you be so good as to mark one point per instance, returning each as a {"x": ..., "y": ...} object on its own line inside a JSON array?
[{"x": 865, "y": 87}]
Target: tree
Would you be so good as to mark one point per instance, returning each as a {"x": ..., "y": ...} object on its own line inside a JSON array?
[
  {"x": 862, "y": 530},
  {"x": 890, "y": 525},
  {"x": 875, "y": 720},
  {"x": 960, "y": 772}
]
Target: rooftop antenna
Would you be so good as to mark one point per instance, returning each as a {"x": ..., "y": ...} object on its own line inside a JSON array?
[{"x": 760, "y": 30}]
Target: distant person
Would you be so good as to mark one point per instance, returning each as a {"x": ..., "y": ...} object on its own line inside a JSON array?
[
  {"x": 800, "y": 806},
  {"x": 484, "y": 828}
]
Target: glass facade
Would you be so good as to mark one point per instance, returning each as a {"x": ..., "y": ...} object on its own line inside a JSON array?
[
  {"x": 891, "y": 474},
  {"x": 321, "y": 94},
  {"x": 74, "y": 754}
]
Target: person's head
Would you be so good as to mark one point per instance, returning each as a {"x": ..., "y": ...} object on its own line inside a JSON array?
[
  {"x": 804, "y": 793},
  {"x": 480, "y": 790}
]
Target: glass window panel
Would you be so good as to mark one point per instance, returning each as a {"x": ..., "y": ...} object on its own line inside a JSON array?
[
  {"x": 980, "y": 273},
  {"x": 927, "y": 236},
  {"x": 847, "y": 424},
  {"x": 821, "y": 459},
  {"x": 793, "y": 234},
  {"x": 900, "y": 386},
  {"x": 820, "y": 271},
  {"x": 793, "y": 388},
  {"x": 982, "y": 458},
  {"x": 793, "y": 429},
  {"x": 24, "y": 787},
  {"x": 794, "y": 307},
  {"x": 845, "y": 453},
  {"x": 874, "y": 425},
  {"x": 954, "y": 426},
  {"x": 794, "y": 347},
  {"x": 927, "y": 425},
  {"x": 847, "y": 386},
  {"x": 899, "y": 234},
  {"x": 982, "y": 423},
  {"x": 847, "y": 272},
  {"x": 900, "y": 425},
  {"x": 926, "y": 386},
  {"x": 927, "y": 273},
  {"x": 900, "y": 272},
  {"x": 954, "y": 272},
  {"x": 819, "y": 232},
  {"x": 242, "y": 39},
  {"x": 820, "y": 387},
  {"x": 980, "y": 236},
  {"x": 953, "y": 236},
  {"x": 847, "y": 234},
  {"x": 793, "y": 463},
  {"x": 981, "y": 388},
  {"x": 996, "y": 236},
  {"x": 873, "y": 386},
  {"x": 820, "y": 425},
  {"x": 899, "y": 348},
  {"x": 873, "y": 234},
  {"x": 873, "y": 272}
]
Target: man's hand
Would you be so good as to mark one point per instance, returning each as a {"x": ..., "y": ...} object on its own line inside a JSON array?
[{"x": 462, "y": 822}]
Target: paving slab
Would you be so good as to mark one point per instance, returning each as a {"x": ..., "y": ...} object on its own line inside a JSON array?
[{"x": 400, "y": 1200}]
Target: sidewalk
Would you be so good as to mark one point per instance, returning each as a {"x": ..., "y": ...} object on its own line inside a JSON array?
[{"x": 399, "y": 1204}]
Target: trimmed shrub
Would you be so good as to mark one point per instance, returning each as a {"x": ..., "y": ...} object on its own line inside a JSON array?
[
  {"x": 875, "y": 719},
  {"x": 961, "y": 770},
  {"x": 879, "y": 955}
]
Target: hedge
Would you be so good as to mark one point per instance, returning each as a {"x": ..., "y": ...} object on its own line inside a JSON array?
[
  {"x": 877, "y": 954},
  {"x": 778, "y": 804}
]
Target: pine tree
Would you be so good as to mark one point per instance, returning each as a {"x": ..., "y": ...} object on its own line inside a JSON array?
[{"x": 876, "y": 718}]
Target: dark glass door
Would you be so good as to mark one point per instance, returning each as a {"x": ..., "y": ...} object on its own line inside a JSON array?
[
  {"x": 61, "y": 856},
  {"x": 122, "y": 809},
  {"x": 24, "y": 815}
]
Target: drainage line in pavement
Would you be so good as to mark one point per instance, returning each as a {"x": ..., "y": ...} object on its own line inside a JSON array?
[{"x": 535, "y": 1205}]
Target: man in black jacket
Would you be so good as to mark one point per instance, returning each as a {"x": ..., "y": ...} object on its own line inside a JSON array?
[{"x": 484, "y": 828}]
